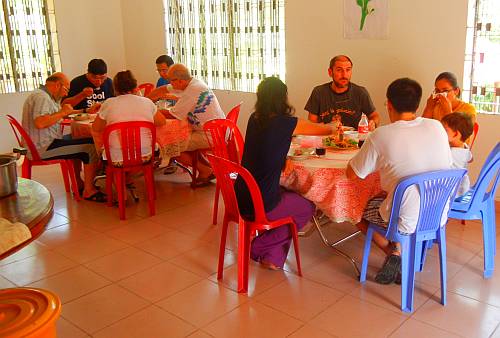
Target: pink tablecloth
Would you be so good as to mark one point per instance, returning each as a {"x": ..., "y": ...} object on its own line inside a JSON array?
[
  {"x": 323, "y": 181},
  {"x": 172, "y": 137}
]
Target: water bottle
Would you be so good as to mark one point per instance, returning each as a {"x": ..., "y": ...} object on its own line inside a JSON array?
[{"x": 362, "y": 130}]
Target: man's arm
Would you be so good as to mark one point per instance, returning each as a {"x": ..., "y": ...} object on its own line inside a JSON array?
[
  {"x": 161, "y": 93},
  {"x": 74, "y": 100},
  {"x": 45, "y": 121},
  {"x": 373, "y": 120},
  {"x": 312, "y": 117}
]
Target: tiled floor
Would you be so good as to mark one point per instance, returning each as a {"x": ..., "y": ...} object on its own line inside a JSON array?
[{"x": 155, "y": 277}]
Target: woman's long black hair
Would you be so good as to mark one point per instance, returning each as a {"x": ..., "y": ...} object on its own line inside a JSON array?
[{"x": 272, "y": 101}]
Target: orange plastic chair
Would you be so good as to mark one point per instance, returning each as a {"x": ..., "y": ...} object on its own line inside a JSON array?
[
  {"x": 129, "y": 134},
  {"x": 227, "y": 142},
  {"x": 474, "y": 134},
  {"x": 226, "y": 173},
  {"x": 28, "y": 312},
  {"x": 145, "y": 88},
  {"x": 24, "y": 140}
]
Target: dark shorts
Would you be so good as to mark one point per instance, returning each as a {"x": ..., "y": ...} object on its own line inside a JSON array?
[
  {"x": 72, "y": 149},
  {"x": 371, "y": 213}
]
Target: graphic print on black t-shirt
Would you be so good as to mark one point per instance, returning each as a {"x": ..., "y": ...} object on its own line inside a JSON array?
[{"x": 105, "y": 91}]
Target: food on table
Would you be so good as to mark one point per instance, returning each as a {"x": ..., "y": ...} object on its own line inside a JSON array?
[
  {"x": 81, "y": 117},
  {"x": 332, "y": 142}
]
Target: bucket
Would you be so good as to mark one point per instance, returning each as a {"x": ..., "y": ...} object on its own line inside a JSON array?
[
  {"x": 28, "y": 312},
  {"x": 8, "y": 175}
]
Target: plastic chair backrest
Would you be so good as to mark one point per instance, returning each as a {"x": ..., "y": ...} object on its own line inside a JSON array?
[
  {"x": 234, "y": 113},
  {"x": 226, "y": 140},
  {"x": 23, "y": 137},
  {"x": 489, "y": 172},
  {"x": 474, "y": 134},
  {"x": 146, "y": 87},
  {"x": 130, "y": 140},
  {"x": 436, "y": 188},
  {"x": 227, "y": 172}
]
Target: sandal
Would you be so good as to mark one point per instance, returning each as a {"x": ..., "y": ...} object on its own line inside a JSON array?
[
  {"x": 204, "y": 181},
  {"x": 389, "y": 271},
  {"x": 98, "y": 197}
]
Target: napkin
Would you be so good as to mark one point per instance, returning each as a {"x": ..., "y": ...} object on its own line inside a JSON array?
[{"x": 12, "y": 234}]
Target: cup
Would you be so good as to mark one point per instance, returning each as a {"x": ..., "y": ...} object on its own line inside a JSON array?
[{"x": 320, "y": 151}]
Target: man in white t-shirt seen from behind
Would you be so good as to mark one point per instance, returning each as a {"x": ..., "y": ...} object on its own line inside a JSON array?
[
  {"x": 196, "y": 104},
  {"x": 409, "y": 145}
]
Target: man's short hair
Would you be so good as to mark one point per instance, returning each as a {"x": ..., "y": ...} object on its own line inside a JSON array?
[
  {"x": 339, "y": 58},
  {"x": 56, "y": 77},
  {"x": 404, "y": 95},
  {"x": 97, "y": 67},
  {"x": 180, "y": 72},
  {"x": 164, "y": 59},
  {"x": 461, "y": 122}
]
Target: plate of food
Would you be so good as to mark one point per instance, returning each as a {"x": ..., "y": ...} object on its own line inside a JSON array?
[
  {"x": 346, "y": 128},
  {"x": 298, "y": 154},
  {"x": 79, "y": 117},
  {"x": 346, "y": 144}
]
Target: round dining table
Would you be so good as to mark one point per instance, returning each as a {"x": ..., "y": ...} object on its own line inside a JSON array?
[{"x": 323, "y": 180}]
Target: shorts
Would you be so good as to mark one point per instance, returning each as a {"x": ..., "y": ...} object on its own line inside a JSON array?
[{"x": 371, "y": 212}]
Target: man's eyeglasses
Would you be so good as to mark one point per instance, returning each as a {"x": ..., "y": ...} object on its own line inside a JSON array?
[{"x": 162, "y": 70}]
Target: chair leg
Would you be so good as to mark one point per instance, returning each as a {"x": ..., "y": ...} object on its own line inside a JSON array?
[
  {"x": 222, "y": 248},
  {"x": 419, "y": 255},
  {"x": 26, "y": 168},
  {"x": 366, "y": 254},
  {"x": 120, "y": 188},
  {"x": 247, "y": 257},
  {"x": 488, "y": 242},
  {"x": 295, "y": 236},
  {"x": 64, "y": 171},
  {"x": 408, "y": 265},
  {"x": 109, "y": 187},
  {"x": 194, "y": 167},
  {"x": 442, "y": 262},
  {"x": 150, "y": 186},
  {"x": 241, "y": 256},
  {"x": 216, "y": 204},
  {"x": 72, "y": 177}
]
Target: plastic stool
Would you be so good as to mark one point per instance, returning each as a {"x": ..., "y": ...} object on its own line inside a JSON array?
[{"x": 28, "y": 312}]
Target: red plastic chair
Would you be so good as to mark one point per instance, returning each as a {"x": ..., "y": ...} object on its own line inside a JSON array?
[
  {"x": 130, "y": 139},
  {"x": 227, "y": 142},
  {"x": 226, "y": 173},
  {"x": 24, "y": 140},
  {"x": 474, "y": 134},
  {"x": 145, "y": 88},
  {"x": 234, "y": 113}
]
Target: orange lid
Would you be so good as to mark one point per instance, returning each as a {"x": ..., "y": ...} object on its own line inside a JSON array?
[{"x": 26, "y": 310}]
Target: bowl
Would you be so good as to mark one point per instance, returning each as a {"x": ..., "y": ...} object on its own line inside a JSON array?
[
  {"x": 309, "y": 141},
  {"x": 351, "y": 135}
]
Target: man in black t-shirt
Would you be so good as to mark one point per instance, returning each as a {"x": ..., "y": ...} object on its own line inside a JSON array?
[
  {"x": 93, "y": 87},
  {"x": 341, "y": 96}
]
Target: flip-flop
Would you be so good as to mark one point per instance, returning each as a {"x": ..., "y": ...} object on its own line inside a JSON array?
[{"x": 98, "y": 197}]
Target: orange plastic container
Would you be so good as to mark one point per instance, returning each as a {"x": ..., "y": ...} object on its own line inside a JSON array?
[{"x": 28, "y": 312}]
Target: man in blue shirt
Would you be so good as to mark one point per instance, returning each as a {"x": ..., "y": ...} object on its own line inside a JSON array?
[{"x": 163, "y": 62}]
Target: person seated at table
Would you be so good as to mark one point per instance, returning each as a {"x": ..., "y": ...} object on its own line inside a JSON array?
[
  {"x": 197, "y": 104},
  {"x": 125, "y": 107},
  {"x": 341, "y": 97},
  {"x": 445, "y": 99},
  {"x": 91, "y": 88},
  {"x": 163, "y": 62},
  {"x": 409, "y": 145},
  {"x": 42, "y": 113},
  {"x": 459, "y": 128},
  {"x": 268, "y": 138}
]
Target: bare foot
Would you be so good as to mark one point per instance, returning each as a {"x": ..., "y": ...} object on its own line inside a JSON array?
[{"x": 269, "y": 265}]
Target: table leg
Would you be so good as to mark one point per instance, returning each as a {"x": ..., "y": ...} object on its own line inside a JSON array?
[{"x": 334, "y": 244}]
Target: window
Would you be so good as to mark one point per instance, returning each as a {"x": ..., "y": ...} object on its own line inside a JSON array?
[
  {"x": 28, "y": 44},
  {"x": 230, "y": 44},
  {"x": 482, "y": 69}
]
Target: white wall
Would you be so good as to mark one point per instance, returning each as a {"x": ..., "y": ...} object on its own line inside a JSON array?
[{"x": 425, "y": 38}]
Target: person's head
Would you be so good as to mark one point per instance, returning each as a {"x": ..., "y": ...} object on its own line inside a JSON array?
[
  {"x": 272, "y": 100},
  {"x": 179, "y": 76},
  {"x": 458, "y": 126},
  {"x": 163, "y": 62},
  {"x": 340, "y": 71},
  {"x": 403, "y": 96},
  {"x": 57, "y": 85},
  {"x": 124, "y": 82},
  {"x": 97, "y": 72},
  {"x": 447, "y": 83}
]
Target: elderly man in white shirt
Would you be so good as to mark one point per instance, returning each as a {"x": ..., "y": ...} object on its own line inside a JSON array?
[{"x": 410, "y": 145}]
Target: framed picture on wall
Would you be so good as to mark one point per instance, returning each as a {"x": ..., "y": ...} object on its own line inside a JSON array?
[{"x": 366, "y": 19}]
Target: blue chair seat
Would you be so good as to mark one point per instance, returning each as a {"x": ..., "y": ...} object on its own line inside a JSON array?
[{"x": 436, "y": 189}]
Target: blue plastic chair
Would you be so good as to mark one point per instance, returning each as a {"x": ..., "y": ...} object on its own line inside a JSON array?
[
  {"x": 479, "y": 203},
  {"x": 436, "y": 189}
]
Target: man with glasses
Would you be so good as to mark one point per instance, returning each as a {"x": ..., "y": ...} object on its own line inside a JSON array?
[
  {"x": 91, "y": 88},
  {"x": 341, "y": 97},
  {"x": 42, "y": 112},
  {"x": 163, "y": 62}
]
